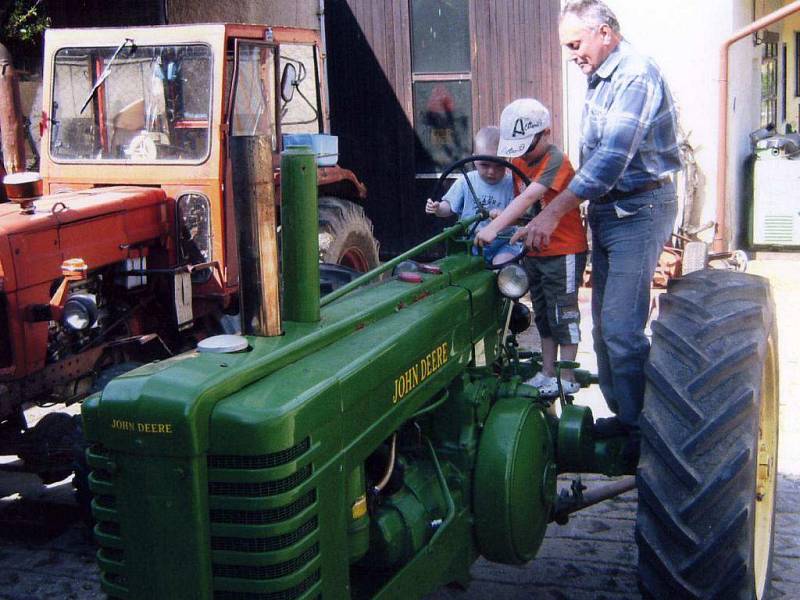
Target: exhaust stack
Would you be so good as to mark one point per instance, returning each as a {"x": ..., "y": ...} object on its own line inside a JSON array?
[
  {"x": 299, "y": 235},
  {"x": 12, "y": 139},
  {"x": 254, "y": 206}
]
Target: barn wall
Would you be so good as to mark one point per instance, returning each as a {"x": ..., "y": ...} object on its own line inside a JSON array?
[
  {"x": 293, "y": 13},
  {"x": 515, "y": 53}
]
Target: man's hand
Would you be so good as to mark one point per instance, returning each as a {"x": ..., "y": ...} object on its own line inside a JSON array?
[
  {"x": 537, "y": 232},
  {"x": 485, "y": 236},
  {"x": 431, "y": 207}
]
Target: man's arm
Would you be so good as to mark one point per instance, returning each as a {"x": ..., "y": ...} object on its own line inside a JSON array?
[
  {"x": 537, "y": 233},
  {"x": 511, "y": 213}
]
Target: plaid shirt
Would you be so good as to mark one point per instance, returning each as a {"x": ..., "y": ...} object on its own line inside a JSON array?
[{"x": 629, "y": 131}]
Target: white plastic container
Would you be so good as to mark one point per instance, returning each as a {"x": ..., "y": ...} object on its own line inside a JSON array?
[{"x": 325, "y": 146}]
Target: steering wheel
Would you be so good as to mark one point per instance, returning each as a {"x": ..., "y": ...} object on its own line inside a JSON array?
[
  {"x": 459, "y": 164},
  {"x": 501, "y": 259}
]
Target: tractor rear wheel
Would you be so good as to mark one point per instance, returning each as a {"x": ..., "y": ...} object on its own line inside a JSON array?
[
  {"x": 345, "y": 235},
  {"x": 708, "y": 469}
]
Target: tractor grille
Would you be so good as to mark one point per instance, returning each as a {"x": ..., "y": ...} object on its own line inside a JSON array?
[
  {"x": 262, "y": 461},
  {"x": 263, "y": 517},
  {"x": 267, "y": 571},
  {"x": 108, "y": 533},
  {"x": 264, "y": 525},
  {"x": 288, "y": 594},
  {"x": 264, "y": 544},
  {"x": 262, "y": 488}
]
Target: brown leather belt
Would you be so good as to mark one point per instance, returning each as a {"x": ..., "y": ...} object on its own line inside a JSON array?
[{"x": 614, "y": 195}]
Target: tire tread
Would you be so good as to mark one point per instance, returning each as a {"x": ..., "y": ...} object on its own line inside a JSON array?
[{"x": 696, "y": 475}]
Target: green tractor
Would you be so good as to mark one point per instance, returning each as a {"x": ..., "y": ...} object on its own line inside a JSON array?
[{"x": 374, "y": 442}]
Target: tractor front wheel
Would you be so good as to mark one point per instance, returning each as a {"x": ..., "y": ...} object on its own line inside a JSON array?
[
  {"x": 708, "y": 469},
  {"x": 345, "y": 235}
]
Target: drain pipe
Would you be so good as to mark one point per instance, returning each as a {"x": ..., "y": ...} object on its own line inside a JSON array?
[
  {"x": 721, "y": 232},
  {"x": 13, "y": 141},
  {"x": 324, "y": 54}
]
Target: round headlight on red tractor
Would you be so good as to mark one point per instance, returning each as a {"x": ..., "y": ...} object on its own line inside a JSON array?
[{"x": 80, "y": 312}]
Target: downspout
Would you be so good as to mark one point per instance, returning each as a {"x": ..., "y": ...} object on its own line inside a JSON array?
[
  {"x": 13, "y": 140},
  {"x": 720, "y": 235},
  {"x": 326, "y": 120}
]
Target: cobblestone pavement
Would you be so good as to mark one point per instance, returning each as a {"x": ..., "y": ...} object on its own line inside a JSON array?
[{"x": 593, "y": 557}]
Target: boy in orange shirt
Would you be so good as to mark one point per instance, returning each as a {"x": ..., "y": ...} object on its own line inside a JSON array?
[{"x": 555, "y": 271}]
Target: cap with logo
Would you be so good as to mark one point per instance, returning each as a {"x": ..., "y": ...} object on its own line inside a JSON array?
[{"x": 520, "y": 122}]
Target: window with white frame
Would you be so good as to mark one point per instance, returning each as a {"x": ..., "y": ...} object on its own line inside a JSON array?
[{"x": 769, "y": 80}]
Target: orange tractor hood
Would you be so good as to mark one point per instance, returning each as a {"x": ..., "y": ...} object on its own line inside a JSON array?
[{"x": 99, "y": 225}]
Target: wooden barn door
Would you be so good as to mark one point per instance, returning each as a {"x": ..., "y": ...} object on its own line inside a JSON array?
[{"x": 411, "y": 81}]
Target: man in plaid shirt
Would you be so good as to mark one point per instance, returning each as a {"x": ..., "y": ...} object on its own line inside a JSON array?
[{"x": 628, "y": 151}]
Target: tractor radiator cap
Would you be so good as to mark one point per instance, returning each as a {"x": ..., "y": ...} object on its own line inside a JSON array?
[{"x": 223, "y": 344}]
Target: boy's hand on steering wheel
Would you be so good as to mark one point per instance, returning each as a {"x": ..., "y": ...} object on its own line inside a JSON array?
[
  {"x": 431, "y": 207},
  {"x": 485, "y": 236}
]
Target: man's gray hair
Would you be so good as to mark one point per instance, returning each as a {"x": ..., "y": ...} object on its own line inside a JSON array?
[{"x": 593, "y": 12}]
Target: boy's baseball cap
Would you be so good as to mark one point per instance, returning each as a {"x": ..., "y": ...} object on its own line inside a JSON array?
[{"x": 520, "y": 122}]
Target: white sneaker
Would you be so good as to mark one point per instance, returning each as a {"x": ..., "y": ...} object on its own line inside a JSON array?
[
  {"x": 549, "y": 388},
  {"x": 570, "y": 387},
  {"x": 538, "y": 380}
]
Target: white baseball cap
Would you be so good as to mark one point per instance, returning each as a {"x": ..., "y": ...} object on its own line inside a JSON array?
[{"x": 520, "y": 122}]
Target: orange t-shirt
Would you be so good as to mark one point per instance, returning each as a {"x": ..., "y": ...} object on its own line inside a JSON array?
[{"x": 554, "y": 171}]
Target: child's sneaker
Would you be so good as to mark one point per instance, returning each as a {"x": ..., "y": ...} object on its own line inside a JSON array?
[
  {"x": 549, "y": 388},
  {"x": 570, "y": 387},
  {"x": 538, "y": 380}
]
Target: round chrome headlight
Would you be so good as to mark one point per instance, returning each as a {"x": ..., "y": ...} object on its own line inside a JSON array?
[
  {"x": 407, "y": 266},
  {"x": 80, "y": 312},
  {"x": 513, "y": 281}
]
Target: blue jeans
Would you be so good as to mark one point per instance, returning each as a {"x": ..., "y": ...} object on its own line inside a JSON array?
[{"x": 627, "y": 238}]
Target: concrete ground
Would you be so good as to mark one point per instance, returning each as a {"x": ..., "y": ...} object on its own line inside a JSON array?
[{"x": 593, "y": 557}]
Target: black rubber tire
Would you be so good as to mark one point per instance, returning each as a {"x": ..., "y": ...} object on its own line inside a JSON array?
[
  {"x": 80, "y": 477},
  {"x": 713, "y": 345},
  {"x": 345, "y": 235},
  {"x": 48, "y": 451}
]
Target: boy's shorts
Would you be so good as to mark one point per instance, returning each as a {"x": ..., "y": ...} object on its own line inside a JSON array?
[
  {"x": 554, "y": 292},
  {"x": 500, "y": 251}
]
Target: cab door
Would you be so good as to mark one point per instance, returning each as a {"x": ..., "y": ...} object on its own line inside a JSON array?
[
  {"x": 251, "y": 110},
  {"x": 250, "y": 186}
]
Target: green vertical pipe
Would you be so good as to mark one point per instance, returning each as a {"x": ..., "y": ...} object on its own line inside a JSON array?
[{"x": 299, "y": 235}]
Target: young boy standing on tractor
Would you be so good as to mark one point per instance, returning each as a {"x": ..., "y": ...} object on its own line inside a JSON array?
[
  {"x": 555, "y": 271},
  {"x": 492, "y": 185}
]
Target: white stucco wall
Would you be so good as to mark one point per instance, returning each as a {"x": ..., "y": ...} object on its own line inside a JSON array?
[{"x": 684, "y": 37}]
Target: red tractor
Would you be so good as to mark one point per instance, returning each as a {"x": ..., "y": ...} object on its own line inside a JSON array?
[{"x": 124, "y": 249}]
